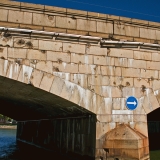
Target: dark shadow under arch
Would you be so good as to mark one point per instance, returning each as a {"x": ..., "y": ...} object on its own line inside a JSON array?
[
  {"x": 68, "y": 128},
  {"x": 22, "y": 101},
  {"x": 153, "y": 120}
]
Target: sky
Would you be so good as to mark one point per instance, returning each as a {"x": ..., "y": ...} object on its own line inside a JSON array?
[{"x": 139, "y": 9}]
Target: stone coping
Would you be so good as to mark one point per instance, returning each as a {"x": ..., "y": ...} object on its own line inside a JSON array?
[{"x": 66, "y": 11}]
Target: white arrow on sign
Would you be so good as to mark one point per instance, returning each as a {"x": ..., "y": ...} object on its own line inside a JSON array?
[{"x": 132, "y": 103}]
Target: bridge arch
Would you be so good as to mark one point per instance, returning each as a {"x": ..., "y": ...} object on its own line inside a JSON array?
[
  {"x": 41, "y": 103},
  {"x": 27, "y": 85}
]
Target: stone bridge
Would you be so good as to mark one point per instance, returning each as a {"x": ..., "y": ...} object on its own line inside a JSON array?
[{"x": 55, "y": 68}]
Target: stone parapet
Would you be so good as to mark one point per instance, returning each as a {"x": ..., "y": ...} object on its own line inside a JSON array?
[{"x": 48, "y": 18}]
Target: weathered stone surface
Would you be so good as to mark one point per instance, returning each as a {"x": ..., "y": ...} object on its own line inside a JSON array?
[
  {"x": 80, "y": 79},
  {"x": 127, "y": 82},
  {"x": 132, "y": 92},
  {"x": 153, "y": 74},
  {"x": 67, "y": 90},
  {"x": 124, "y": 139},
  {"x": 96, "y": 50},
  {"x": 139, "y": 110},
  {"x": 118, "y": 103},
  {"x": 3, "y": 52},
  {"x": 111, "y": 70},
  {"x": 81, "y": 58},
  {"x": 55, "y": 29},
  {"x": 122, "y": 62},
  {"x": 76, "y": 12},
  {"x": 20, "y": 17},
  {"x": 105, "y": 107},
  {"x": 119, "y": 28},
  {"x": 130, "y": 72},
  {"x": 65, "y": 67},
  {"x": 150, "y": 103},
  {"x": 87, "y": 25},
  {"x": 36, "y": 78},
  {"x": 75, "y": 98},
  {"x": 3, "y": 67},
  {"x": 45, "y": 66},
  {"x": 94, "y": 79},
  {"x": 31, "y": 5},
  {"x": 4, "y": 14},
  {"x": 50, "y": 45},
  {"x": 155, "y": 57},
  {"x": 104, "y": 27},
  {"x": 6, "y": 41},
  {"x": 17, "y": 53},
  {"x": 113, "y": 17},
  {"x": 53, "y": 8},
  {"x": 142, "y": 55},
  {"x": 74, "y": 47},
  {"x": 31, "y": 26},
  {"x": 26, "y": 43},
  {"x": 9, "y": 24},
  {"x": 43, "y": 19},
  {"x": 113, "y": 52},
  {"x": 122, "y": 116},
  {"x": 25, "y": 74},
  {"x": 58, "y": 57},
  {"x": 105, "y": 80},
  {"x": 108, "y": 91},
  {"x": 46, "y": 82},
  {"x": 142, "y": 82},
  {"x": 103, "y": 60},
  {"x": 153, "y": 65},
  {"x": 89, "y": 69},
  {"x": 36, "y": 55},
  {"x": 158, "y": 34},
  {"x": 101, "y": 129},
  {"x": 87, "y": 99},
  {"x": 136, "y": 63},
  {"x": 98, "y": 34},
  {"x": 13, "y": 71},
  {"x": 156, "y": 84},
  {"x": 115, "y": 81},
  {"x": 96, "y": 89},
  {"x": 65, "y": 22},
  {"x": 142, "y": 128},
  {"x": 63, "y": 75},
  {"x": 57, "y": 86},
  {"x": 131, "y": 31},
  {"x": 147, "y": 33}
]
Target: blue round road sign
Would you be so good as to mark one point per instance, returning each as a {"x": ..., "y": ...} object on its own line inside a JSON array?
[{"x": 131, "y": 103}]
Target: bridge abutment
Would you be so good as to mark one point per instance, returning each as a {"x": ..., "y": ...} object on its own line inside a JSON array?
[
  {"x": 87, "y": 138},
  {"x": 122, "y": 137}
]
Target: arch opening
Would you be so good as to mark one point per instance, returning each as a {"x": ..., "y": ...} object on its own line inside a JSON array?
[
  {"x": 50, "y": 119},
  {"x": 153, "y": 120},
  {"x": 25, "y": 102}
]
